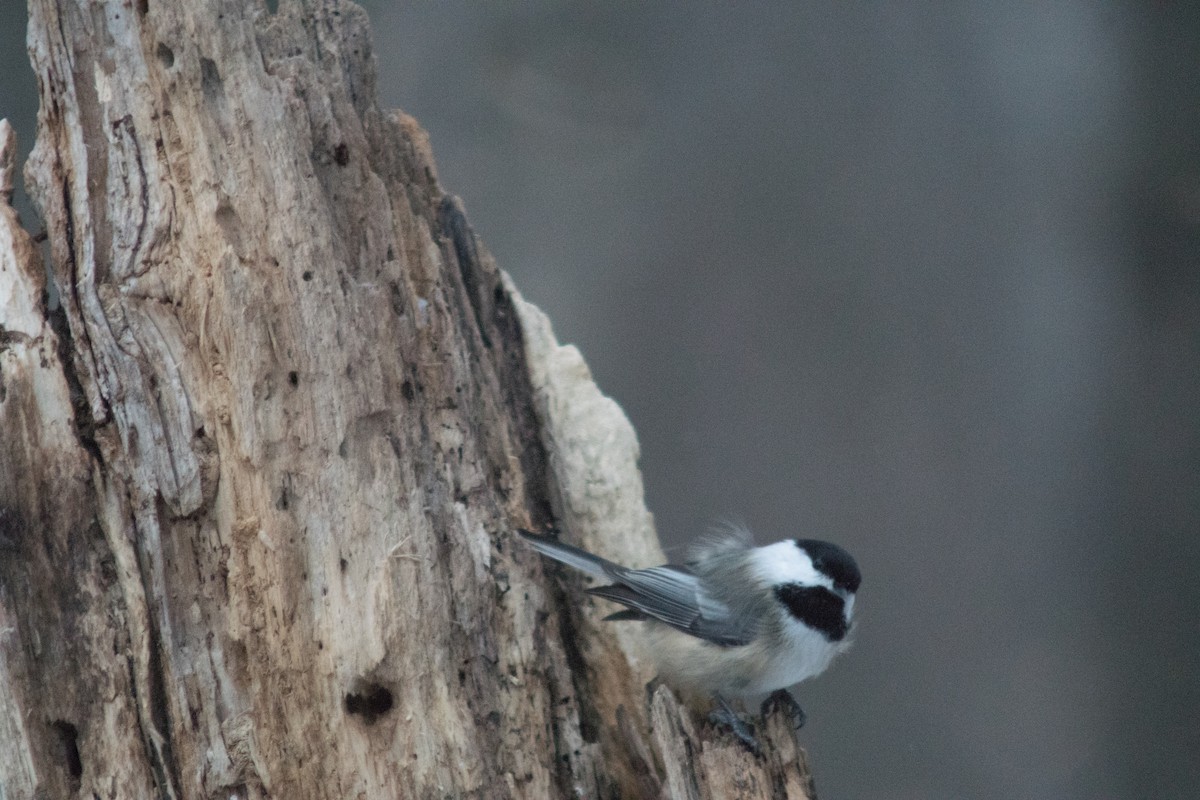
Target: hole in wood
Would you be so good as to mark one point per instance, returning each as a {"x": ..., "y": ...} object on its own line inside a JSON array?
[
  {"x": 369, "y": 701},
  {"x": 166, "y": 56},
  {"x": 68, "y": 740}
]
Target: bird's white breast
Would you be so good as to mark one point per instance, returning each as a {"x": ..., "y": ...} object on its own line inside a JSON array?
[{"x": 805, "y": 653}]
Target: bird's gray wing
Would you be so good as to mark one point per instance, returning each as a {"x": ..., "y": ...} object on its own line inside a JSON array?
[
  {"x": 674, "y": 595},
  {"x": 670, "y": 594}
]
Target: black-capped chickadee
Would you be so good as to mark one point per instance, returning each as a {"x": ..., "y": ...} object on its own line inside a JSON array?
[{"x": 734, "y": 620}]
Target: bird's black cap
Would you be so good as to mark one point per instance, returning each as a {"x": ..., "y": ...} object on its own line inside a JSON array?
[{"x": 834, "y": 562}]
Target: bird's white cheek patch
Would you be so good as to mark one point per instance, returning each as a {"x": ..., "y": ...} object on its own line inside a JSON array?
[{"x": 783, "y": 562}]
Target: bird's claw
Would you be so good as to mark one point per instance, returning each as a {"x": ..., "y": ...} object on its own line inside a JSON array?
[
  {"x": 726, "y": 716},
  {"x": 782, "y": 700}
]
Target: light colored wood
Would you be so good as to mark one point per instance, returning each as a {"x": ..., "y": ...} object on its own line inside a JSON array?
[{"x": 259, "y": 477}]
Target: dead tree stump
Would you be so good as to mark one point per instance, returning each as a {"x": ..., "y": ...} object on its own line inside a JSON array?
[{"x": 259, "y": 474}]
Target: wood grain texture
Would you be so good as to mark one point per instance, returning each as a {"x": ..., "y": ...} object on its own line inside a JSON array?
[{"x": 259, "y": 476}]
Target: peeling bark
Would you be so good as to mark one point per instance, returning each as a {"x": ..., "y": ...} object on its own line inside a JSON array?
[{"x": 259, "y": 476}]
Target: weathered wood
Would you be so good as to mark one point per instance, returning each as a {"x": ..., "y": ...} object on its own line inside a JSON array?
[{"x": 259, "y": 475}]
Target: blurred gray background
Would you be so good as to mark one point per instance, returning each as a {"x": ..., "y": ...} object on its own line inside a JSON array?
[{"x": 924, "y": 281}]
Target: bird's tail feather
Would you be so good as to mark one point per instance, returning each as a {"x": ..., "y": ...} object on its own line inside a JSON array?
[{"x": 572, "y": 556}]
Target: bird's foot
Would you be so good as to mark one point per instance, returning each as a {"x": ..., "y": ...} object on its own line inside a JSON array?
[
  {"x": 726, "y": 716},
  {"x": 782, "y": 700}
]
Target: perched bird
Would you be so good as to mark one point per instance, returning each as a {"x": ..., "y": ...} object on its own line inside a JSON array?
[{"x": 734, "y": 620}]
